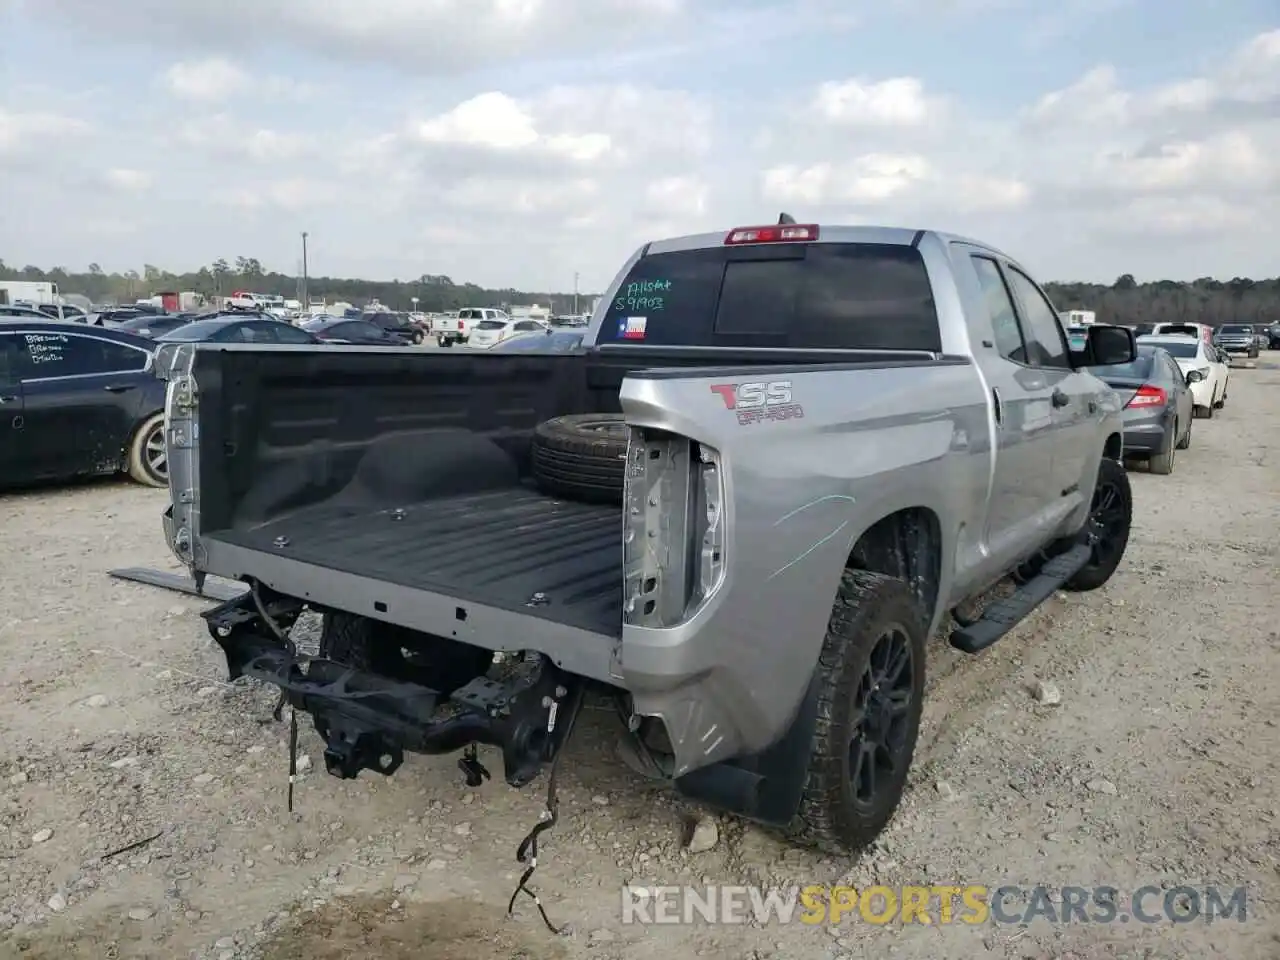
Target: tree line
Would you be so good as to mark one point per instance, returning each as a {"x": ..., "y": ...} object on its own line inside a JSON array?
[
  {"x": 434, "y": 292},
  {"x": 1206, "y": 300}
]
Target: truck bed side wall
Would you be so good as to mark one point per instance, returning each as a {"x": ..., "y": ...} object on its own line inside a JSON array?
[{"x": 284, "y": 428}]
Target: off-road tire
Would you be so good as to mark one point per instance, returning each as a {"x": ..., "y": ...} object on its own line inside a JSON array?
[
  {"x": 866, "y": 605},
  {"x": 581, "y": 456},
  {"x": 1095, "y": 574},
  {"x": 1162, "y": 463},
  {"x": 375, "y": 647},
  {"x": 137, "y": 463},
  {"x": 1185, "y": 441}
]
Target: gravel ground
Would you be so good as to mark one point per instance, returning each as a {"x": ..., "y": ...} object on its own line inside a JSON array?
[{"x": 1158, "y": 766}]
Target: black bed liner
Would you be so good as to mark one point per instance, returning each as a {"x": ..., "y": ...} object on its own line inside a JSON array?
[{"x": 495, "y": 548}]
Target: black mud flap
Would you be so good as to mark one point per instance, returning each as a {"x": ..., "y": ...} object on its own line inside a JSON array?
[
  {"x": 369, "y": 721},
  {"x": 767, "y": 786}
]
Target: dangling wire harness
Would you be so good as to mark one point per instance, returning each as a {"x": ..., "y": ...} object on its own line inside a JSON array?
[
  {"x": 283, "y": 636},
  {"x": 527, "y": 852}
]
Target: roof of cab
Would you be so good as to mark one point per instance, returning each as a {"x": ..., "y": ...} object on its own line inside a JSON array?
[{"x": 827, "y": 233}]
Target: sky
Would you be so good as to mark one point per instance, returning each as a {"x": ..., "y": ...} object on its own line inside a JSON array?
[{"x": 536, "y": 143}]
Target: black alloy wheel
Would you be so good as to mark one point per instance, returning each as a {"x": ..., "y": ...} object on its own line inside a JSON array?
[
  {"x": 1108, "y": 530},
  {"x": 881, "y": 727}
]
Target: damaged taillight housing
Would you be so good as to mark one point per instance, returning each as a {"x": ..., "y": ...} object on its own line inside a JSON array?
[
  {"x": 673, "y": 527},
  {"x": 710, "y": 490}
]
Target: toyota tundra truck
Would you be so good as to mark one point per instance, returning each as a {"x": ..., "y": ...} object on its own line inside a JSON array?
[{"x": 786, "y": 454}]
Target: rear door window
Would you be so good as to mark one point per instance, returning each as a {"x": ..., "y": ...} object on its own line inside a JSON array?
[
  {"x": 12, "y": 357},
  {"x": 285, "y": 333},
  {"x": 808, "y": 296},
  {"x": 1046, "y": 344},
  {"x": 1004, "y": 318},
  {"x": 71, "y": 355}
]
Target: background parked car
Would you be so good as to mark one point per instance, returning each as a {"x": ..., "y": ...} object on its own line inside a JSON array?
[
  {"x": 553, "y": 341},
  {"x": 1158, "y": 405},
  {"x": 1193, "y": 354},
  {"x": 1237, "y": 338},
  {"x": 157, "y": 326},
  {"x": 343, "y": 330},
  {"x": 489, "y": 333},
  {"x": 237, "y": 329},
  {"x": 114, "y": 316},
  {"x": 15, "y": 311},
  {"x": 69, "y": 312},
  {"x": 1273, "y": 336},
  {"x": 398, "y": 324},
  {"x": 78, "y": 401}
]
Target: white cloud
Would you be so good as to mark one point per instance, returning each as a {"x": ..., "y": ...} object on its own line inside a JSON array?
[
  {"x": 679, "y": 197},
  {"x": 426, "y": 36},
  {"x": 495, "y": 121},
  {"x": 897, "y": 102},
  {"x": 207, "y": 81},
  {"x": 221, "y": 135},
  {"x": 27, "y": 132},
  {"x": 127, "y": 180},
  {"x": 519, "y": 141},
  {"x": 291, "y": 194}
]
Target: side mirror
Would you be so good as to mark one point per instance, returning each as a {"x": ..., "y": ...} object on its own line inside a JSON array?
[
  {"x": 1106, "y": 344},
  {"x": 1194, "y": 376}
]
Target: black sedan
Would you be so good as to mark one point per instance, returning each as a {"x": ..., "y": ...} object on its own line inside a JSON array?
[
  {"x": 237, "y": 329},
  {"x": 157, "y": 326},
  {"x": 78, "y": 401},
  {"x": 357, "y": 331},
  {"x": 397, "y": 323}
]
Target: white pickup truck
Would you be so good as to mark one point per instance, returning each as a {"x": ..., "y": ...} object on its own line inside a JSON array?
[{"x": 457, "y": 329}]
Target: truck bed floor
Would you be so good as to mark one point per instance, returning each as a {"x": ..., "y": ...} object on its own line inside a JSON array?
[{"x": 497, "y": 548}]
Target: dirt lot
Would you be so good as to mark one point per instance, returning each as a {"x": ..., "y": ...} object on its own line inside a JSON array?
[{"x": 1159, "y": 766}]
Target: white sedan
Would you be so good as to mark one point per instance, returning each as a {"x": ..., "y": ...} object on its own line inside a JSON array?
[
  {"x": 489, "y": 333},
  {"x": 1202, "y": 364}
]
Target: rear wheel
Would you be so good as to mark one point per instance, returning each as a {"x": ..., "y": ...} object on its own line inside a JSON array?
[
  {"x": 1162, "y": 463},
  {"x": 1107, "y": 529},
  {"x": 148, "y": 461},
  {"x": 444, "y": 342},
  {"x": 871, "y": 670}
]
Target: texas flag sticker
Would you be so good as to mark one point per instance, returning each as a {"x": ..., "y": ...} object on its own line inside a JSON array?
[{"x": 632, "y": 328}]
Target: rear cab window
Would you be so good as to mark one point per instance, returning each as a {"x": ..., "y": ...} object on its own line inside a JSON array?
[{"x": 840, "y": 296}]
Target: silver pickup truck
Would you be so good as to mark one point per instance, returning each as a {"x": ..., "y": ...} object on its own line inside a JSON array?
[{"x": 785, "y": 454}]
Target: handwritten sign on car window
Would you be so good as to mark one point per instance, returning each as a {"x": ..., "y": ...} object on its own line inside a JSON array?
[
  {"x": 647, "y": 295},
  {"x": 46, "y": 348}
]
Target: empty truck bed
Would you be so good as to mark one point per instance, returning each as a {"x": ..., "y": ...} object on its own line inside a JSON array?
[{"x": 495, "y": 548}]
